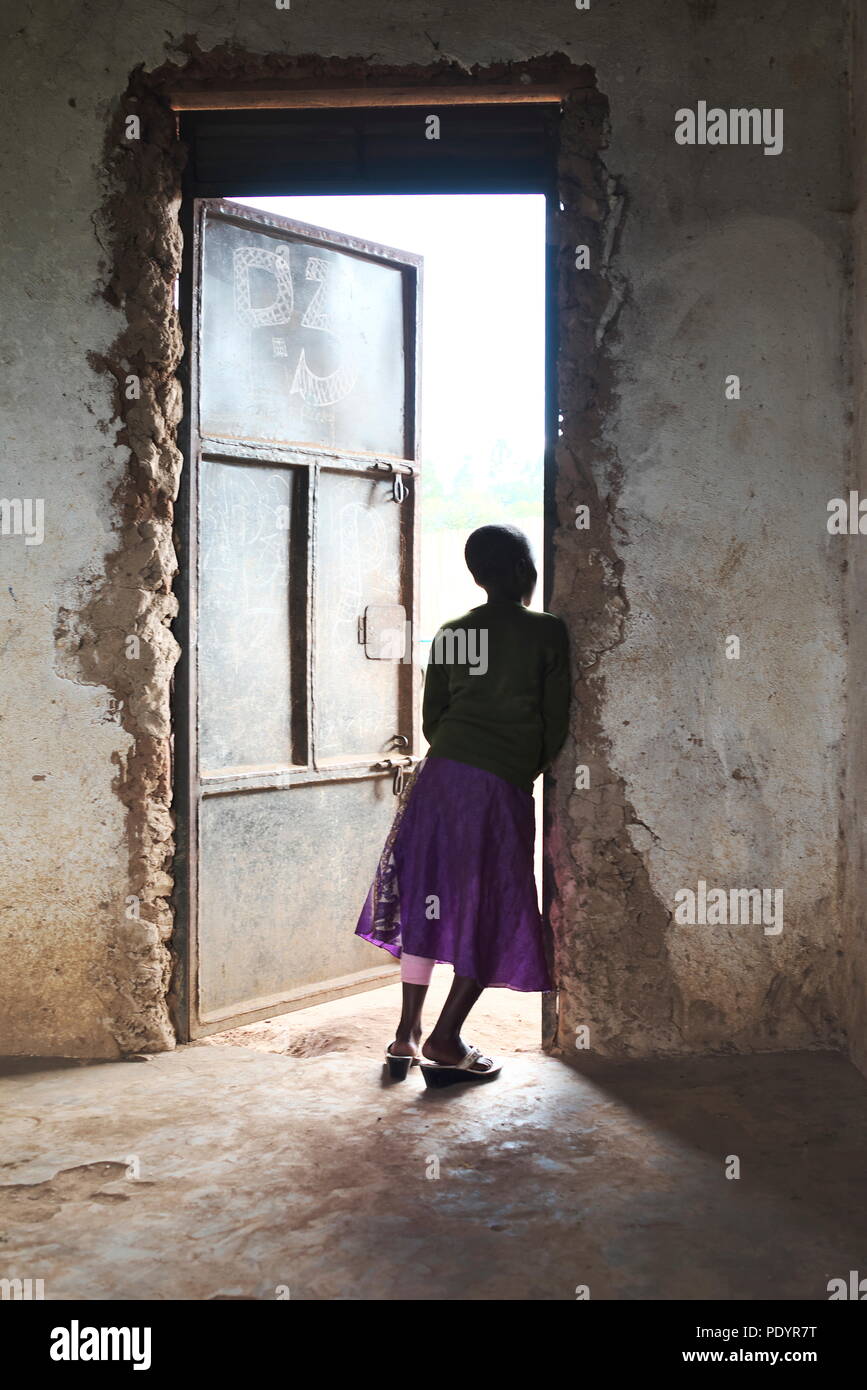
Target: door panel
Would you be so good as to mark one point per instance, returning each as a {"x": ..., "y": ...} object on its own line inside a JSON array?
[
  {"x": 282, "y": 867},
  {"x": 301, "y": 342},
  {"x": 304, "y": 409},
  {"x": 359, "y": 562},
  {"x": 244, "y": 616}
]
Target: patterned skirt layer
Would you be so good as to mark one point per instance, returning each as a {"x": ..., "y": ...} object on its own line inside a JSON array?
[{"x": 455, "y": 880}]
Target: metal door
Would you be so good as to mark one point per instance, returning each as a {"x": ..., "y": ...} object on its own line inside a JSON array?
[{"x": 302, "y": 692}]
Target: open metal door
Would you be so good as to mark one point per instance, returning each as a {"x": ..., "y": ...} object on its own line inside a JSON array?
[{"x": 302, "y": 692}]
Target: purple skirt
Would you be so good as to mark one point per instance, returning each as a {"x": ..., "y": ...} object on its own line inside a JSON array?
[{"x": 455, "y": 880}]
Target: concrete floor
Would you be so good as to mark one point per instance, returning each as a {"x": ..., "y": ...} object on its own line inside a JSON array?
[{"x": 276, "y": 1156}]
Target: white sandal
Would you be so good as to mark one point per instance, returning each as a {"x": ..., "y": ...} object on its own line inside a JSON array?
[
  {"x": 399, "y": 1063},
  {"x": 448, "y": 1074}
]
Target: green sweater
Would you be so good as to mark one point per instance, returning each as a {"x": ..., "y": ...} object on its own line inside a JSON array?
[{"x": 497, "y": 688}]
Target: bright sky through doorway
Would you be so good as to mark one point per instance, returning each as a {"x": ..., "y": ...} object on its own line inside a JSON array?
[{"x": 483, "y": 362}]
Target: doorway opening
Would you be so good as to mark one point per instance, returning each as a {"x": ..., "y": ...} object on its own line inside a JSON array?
[
  {"x": 371, "y": 350},
  {"x": 481, "y": 383}
]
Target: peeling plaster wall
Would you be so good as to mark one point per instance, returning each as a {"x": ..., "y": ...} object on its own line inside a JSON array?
[
  {"x": 708, "y": 517},
  {"x": 726, "y": 771}
]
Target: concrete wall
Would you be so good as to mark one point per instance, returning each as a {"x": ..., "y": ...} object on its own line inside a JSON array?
[
  {"x": 854, "y": 944},
  {"x": 708, "y": 518}
]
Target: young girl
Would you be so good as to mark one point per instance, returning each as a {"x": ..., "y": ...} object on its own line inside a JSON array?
[{"x": 455, "y": 881}]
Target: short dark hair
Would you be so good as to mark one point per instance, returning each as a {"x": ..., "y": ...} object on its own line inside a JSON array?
[{"x": 492, "y": 553}]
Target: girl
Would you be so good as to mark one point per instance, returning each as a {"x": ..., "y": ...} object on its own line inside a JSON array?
[{"x": 455, "y": 881}]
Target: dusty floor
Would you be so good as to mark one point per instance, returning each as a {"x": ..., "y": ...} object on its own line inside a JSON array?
[{"x": 276, "y": 1156}]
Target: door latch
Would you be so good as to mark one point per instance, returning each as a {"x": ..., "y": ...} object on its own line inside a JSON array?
[
  {"x": 399, "y": 778},
  {"x": 399, "y": 489}
]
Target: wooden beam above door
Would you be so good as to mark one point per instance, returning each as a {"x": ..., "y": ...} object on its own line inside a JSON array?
[{"x": 202, "y": 98}]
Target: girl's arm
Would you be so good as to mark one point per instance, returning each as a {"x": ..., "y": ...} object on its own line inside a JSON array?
[
  {"x": 436, "y": 694},
  {"x": 556, "y": 694}
]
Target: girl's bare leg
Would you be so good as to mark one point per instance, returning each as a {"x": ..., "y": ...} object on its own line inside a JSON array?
[
  {"x": 445, "y": 1043},
  {"x": 407, "y": 1039}
]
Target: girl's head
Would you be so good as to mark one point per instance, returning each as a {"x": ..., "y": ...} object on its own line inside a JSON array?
[{"x": 500, "y": 560}]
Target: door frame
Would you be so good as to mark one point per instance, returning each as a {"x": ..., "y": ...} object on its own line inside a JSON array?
[{"x": 496, "y": 171}]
